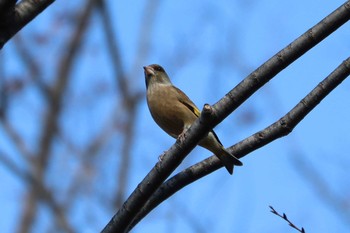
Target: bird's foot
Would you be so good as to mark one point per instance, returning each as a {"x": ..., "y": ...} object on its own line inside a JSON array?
[{"x": 182, "y": 136}]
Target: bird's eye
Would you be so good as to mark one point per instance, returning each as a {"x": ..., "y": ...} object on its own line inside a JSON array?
[{"x": 159, "y": 68}]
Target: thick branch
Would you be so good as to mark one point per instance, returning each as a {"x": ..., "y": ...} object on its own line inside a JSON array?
[
  {"x": 18, "y": 16},
  {"x": 170, "y": 160}
]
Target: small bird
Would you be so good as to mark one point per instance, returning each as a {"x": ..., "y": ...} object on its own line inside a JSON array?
[{"x": 174, "y": 112}]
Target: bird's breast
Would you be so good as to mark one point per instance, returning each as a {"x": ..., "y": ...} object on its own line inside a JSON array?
[{"x": 167, "y": 111}]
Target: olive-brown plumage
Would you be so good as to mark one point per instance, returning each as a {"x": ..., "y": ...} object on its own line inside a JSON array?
[{"x": 174, "y": 112}]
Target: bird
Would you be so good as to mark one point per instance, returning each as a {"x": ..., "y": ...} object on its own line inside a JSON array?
[{"x": 174, "y": 112}]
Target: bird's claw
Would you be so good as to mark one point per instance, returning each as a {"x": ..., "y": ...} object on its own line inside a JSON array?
[{"x": 182, "y": 137}]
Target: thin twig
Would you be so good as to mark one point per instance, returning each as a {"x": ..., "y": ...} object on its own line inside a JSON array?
[{"x": 284, "y": 216}]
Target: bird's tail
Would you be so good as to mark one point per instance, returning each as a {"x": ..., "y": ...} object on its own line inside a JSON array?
[{"x": 228, "y": 160}]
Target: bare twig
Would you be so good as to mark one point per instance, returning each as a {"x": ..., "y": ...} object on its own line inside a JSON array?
[{"x": 284, "y": 216}]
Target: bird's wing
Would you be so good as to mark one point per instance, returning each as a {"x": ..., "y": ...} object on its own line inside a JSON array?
[{"x": 183, "y": 98}]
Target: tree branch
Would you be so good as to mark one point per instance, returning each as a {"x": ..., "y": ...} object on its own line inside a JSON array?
[
  {"x": 17, "y": 16},
  {"x": 284, "y": 216}
]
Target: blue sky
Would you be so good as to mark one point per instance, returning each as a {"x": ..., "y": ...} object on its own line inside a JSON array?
[{"x": 207, "y": 48}]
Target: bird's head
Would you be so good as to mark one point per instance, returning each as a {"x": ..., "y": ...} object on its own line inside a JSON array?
[{"x": 155, "y": 74}]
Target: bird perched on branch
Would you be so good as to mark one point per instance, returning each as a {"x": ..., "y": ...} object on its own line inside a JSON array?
[{"x": 174, "y": 112}]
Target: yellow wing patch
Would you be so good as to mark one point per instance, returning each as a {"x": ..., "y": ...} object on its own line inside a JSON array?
[
  {"x": 183, "y": 98},
  {"x": 193, "y": 108}
]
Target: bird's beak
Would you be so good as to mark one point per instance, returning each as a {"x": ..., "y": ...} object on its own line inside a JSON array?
[{"x": 148, "y": 70}]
